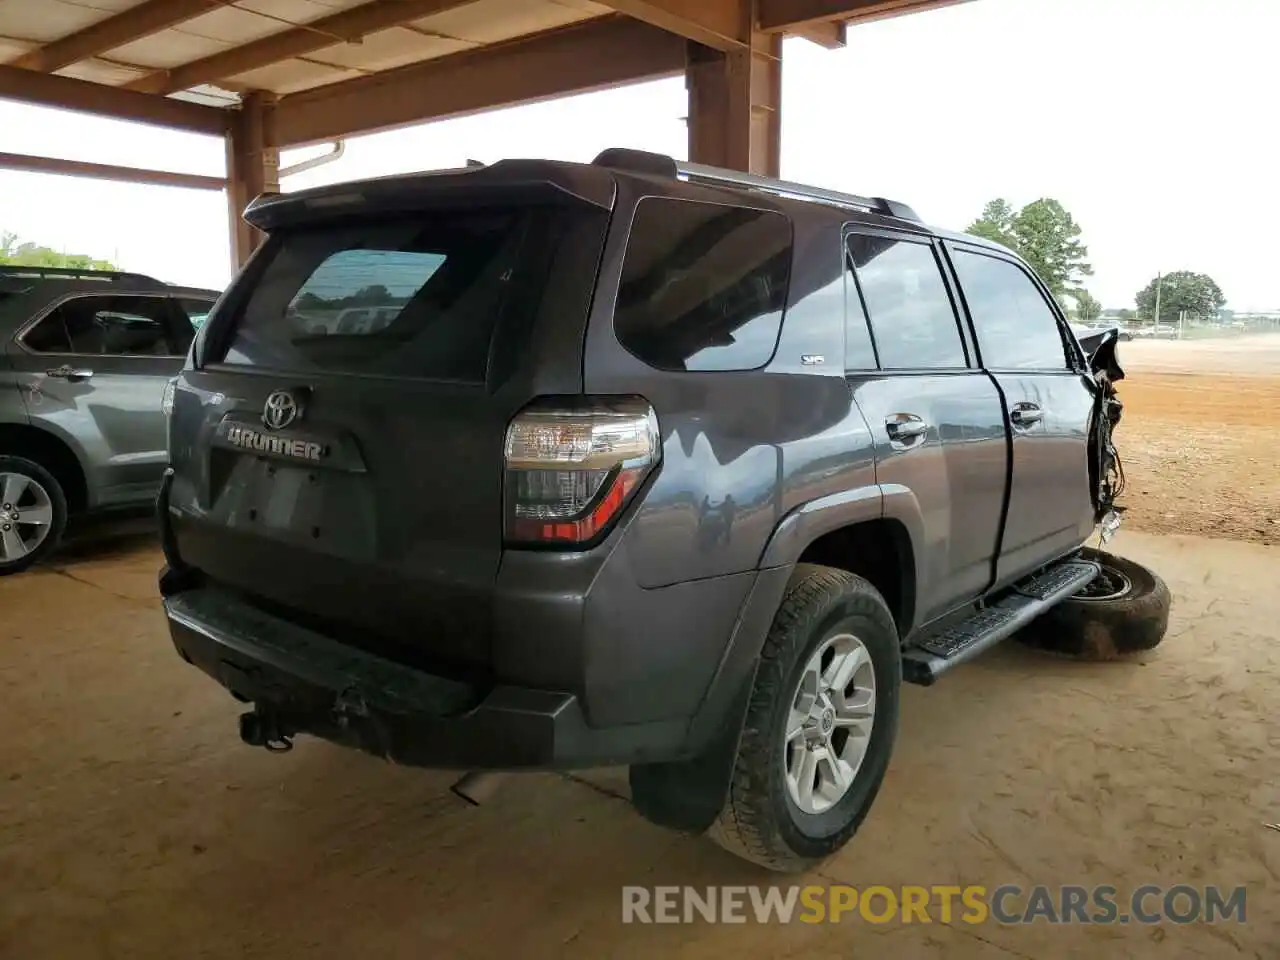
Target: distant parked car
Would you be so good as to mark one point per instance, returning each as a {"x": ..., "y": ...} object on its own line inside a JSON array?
[{"x": 85, "y": 360}]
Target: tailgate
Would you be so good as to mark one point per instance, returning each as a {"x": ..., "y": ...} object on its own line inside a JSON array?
[{"x": 339, "y": 454}]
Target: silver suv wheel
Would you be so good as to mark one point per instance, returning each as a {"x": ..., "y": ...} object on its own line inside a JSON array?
[
  {"x": 26, "y": 516},
  {"x": 829, "y": 727}
]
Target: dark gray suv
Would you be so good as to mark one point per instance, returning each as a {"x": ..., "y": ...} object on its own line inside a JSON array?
[
  {"x": 546, "y": 465},
  {"x": 85, "y": 357}
]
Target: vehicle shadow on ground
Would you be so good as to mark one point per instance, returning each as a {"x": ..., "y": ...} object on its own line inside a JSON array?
[{"x": 102, "y": 538}]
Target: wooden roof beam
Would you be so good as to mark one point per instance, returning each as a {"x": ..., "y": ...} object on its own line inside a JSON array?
[
  {"x": 109, "y": 171},
  {"x": 831, "y": 34},
  {"x": 125, "y": 27},
  {"x": 594, "y": 55},
  {"x": 719, "y": 24},
  {"x": 787, "y": 16},
  {"x": 69, "y": 94},
  {"x": 350, "y": 25}
]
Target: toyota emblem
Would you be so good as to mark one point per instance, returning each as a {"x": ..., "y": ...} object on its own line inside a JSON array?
[{"x": 281, "y": 409}]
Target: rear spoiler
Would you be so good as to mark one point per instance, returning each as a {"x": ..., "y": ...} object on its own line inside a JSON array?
[{"x": 512, "y": 182}]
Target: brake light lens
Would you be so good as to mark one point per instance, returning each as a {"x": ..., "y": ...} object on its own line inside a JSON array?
[{"x": 573, "y": 465}]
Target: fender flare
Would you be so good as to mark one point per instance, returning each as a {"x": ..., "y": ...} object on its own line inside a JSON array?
[{"x": 811, "y": 520}]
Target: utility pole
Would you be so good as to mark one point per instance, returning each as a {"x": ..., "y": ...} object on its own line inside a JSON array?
[{"x": 1159, "y": 284}]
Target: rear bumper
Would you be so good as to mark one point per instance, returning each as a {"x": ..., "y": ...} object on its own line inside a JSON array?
[
  {"x": 591, "y": 669},
  {"x": 312, "y": 684}
]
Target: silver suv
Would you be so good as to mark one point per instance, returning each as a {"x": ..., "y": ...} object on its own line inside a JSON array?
[{"x": 85, "y": 357}]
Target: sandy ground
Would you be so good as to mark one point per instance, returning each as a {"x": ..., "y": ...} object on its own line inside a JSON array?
[
  {"x": 133, "y": 823},
  {"x": 1200, "y": 437},
  {"x": 1256, "y": 354}
]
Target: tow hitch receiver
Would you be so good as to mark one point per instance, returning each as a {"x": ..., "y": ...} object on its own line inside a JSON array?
[{"x": 266, "y": 728}]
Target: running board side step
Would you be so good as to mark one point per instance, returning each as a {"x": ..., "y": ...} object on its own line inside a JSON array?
[{"x": 938, "y": 652}]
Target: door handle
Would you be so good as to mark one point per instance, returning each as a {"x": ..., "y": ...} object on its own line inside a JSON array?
[
  {"x": 903, "y": 427},
  {"x": 67, "y": 372},
  {"x": 1025, "y": 415}
]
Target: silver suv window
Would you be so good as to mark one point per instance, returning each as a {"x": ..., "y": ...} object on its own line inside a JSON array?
[{"x": 116, "y": 325}]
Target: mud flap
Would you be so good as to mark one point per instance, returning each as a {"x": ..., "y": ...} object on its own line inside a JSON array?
[{"x": 688, "y": 795}]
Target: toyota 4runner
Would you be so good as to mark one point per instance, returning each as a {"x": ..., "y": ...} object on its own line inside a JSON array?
[{"x": 546, "y": 465}]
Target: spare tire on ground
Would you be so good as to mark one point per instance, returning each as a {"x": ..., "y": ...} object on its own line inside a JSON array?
[{"x": 1125, "y": 609}]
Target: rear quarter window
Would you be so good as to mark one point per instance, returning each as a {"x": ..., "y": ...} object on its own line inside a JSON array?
[
  {"x": 703, "y": 285},
  {"x": 415, "y": 297}
]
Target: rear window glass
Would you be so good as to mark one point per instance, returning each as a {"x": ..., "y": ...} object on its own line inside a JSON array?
[
  {"x": 416, "y": 297},
  {"x": 703, "y": 285}
]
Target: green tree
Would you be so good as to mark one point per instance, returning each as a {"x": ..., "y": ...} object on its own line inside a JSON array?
[
  {"x": 1088, "y": 309},
  {"x": 27, "y": 254},
  {"x": 1045, "y": 235},
  {"x": 1196, "y": 293},
  {"x": 1126, "y": 314},
  {"x": 995, "y": 224},
  {"x": 1048, "y": 239}
]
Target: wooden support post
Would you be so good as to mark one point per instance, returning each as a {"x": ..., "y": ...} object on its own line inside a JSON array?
[
  {"x": 253, "y": 168},
  {"x": 735, "y": 102}
]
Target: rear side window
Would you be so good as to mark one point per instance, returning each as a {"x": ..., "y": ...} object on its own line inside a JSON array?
[
  {"x": 703, "y": 285},
  {"x": 418, "y": 297},
  {"x": 107, "y": 326},
  {"x": 911, "y": 314},
  {"x": 1016, "y": 327}
]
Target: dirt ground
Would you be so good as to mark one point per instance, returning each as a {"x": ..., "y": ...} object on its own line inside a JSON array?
[
  {"x": 1200, "y": 438},
  {"x": 133, "y": 823}
]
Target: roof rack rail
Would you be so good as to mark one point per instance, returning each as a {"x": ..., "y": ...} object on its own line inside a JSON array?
[
  {"x": 641, "y": 161},
  {"x": 75, "y": 273}
]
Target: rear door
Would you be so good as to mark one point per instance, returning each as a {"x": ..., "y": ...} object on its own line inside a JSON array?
[
  {"x": 352, "y": 472},
  {"x": 1024, "y": 344},
  {"x": 93, "y": 368},
  {"x": 936, "y": 417}
]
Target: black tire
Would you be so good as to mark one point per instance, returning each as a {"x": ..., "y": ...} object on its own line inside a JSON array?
[
  {"x": 760, "y": 822},
  {"x": 47, "y": 482},
  {"x": 1126, "y": 610}
]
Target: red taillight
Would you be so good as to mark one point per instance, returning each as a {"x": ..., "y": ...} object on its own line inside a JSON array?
[{"x": 572, "y": 467}]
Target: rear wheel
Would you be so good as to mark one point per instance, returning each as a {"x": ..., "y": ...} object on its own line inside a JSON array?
[
  {"x": 33, "y": 513},
  {"x": 820, "y": 725},
  {"x": 1125, "y": 609}
]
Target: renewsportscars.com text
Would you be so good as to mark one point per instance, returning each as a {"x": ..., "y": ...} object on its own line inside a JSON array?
[{"x": 1005, "y": 904}]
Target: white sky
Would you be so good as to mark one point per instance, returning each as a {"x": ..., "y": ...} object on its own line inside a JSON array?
[{"x": 1153, "y": 121}]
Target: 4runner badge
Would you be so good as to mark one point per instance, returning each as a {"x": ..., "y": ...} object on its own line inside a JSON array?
[
  {"x": 246, "y": 438},
  {"x": 281, "y": 409}
]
